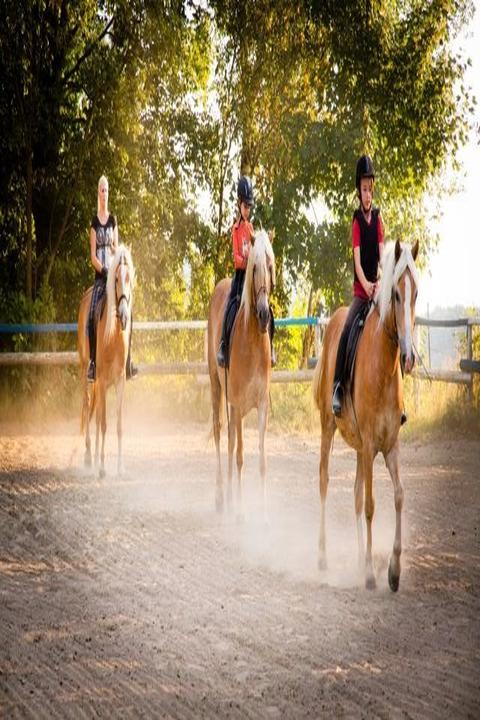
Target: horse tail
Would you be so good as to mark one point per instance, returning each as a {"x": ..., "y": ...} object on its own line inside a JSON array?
[
  {"x": 317, "y": 376},
  {"x": 88, "y": 406}
]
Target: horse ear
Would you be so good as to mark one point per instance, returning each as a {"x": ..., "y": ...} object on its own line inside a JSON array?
[
  {"x": 415, "y": 251},
  {"x": 398, "y": 251},
  {"x": 271, "y": 235}
]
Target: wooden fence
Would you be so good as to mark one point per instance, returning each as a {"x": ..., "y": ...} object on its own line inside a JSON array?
[{"x": 463, "y": 376}]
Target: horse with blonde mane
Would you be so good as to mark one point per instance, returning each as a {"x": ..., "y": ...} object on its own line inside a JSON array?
[
  {"x": 372, "y": 411},
  {"x": 113, "y": 330},
  {"x": 246, "y": 383}
]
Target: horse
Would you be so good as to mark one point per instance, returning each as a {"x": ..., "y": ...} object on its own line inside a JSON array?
[
  {"x": 246, "y": 383},
  {"x": 113, "y": 329},
  {"x": 372, "y": 411}
]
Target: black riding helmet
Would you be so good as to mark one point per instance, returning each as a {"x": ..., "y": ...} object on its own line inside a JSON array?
[
  {"x": 245, "y": 191},
  {"x": 364, "y": 169}
]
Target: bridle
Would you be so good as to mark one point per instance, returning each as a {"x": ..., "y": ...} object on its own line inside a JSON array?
[{"x": 123, "y": 296}]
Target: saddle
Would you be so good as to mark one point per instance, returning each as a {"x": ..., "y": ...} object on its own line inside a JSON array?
[{"x": 352, "y": 344}]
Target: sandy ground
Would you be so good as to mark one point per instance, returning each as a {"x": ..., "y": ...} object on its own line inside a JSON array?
[{"x": 130, "y": 597}]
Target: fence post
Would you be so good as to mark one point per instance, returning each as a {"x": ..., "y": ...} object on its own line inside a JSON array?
[
  {"x": 470, "y": 357},
  {"x": 317, "y": 338}
]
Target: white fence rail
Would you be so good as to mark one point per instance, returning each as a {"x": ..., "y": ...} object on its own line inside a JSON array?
[{"x": 200, "y": 368}]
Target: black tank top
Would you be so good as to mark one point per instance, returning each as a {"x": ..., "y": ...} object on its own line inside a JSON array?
[{"x": 369, "y": 251}]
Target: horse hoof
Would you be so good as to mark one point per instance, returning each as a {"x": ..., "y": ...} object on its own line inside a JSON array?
[
  {"x": 87, "y": 460},
  {"x": 101, "y": 473},
  {"x": 370, "y": 582},
  {"x": 219, "y": 502},
  {"x": 393, "y": 580}
]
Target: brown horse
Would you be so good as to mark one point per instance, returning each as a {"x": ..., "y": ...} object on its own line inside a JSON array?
[
  {"x": 113, "y": 331},
  {"x": 371, "y": 414},
  {"x": 247, "y": 381}
]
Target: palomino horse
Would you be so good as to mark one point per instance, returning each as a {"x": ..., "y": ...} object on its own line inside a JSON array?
[
  {"x": 247, "y": 381},
  {"x": 371, "y": 414},
  {"x": 113, "y": 330}
]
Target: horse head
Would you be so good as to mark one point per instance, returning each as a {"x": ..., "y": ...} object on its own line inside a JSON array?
[
  {"x": 398, "y": 292},
  {"x": 259, "y": 279},
  {"x": 120, "y": 282}
]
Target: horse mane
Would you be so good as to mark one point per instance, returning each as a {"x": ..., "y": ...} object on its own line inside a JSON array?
[
  {"x": 259, "y": 251},
  {"x": 391, "y": 274},
  {"x": 111, "y": 305}
]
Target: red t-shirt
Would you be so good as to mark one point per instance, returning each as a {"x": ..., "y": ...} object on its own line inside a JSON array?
[
  {"x": 358, "y": 290},
  {"x": 241, "y": 233}
]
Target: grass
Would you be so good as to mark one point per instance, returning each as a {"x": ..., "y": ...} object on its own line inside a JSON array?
[{"x": 41, "y": 394}]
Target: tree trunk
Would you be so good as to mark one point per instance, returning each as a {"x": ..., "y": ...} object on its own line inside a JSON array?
[
  {"x": 309, "y": 332},
  {"x": 28, "y": 278}
]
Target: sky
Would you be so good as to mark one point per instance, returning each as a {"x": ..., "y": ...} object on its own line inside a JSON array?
[{"x": 453, "y": 273}]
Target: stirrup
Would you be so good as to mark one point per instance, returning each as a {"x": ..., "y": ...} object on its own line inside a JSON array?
[
  {"x": 337, "y": 400},
  {"x": 91, "y": 372}
]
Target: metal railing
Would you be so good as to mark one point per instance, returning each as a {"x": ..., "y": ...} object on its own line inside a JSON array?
[{"x": 200, "y": 368}]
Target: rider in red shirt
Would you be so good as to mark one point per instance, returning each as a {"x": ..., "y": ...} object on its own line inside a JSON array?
[
  {"x": 367, "y": 242},
  {"x": 242, "y": 236}
]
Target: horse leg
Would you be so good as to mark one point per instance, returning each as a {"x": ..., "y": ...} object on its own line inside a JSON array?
[
  {"x": 98, "y": 420},
  {"x": 231, "y": 450},
  {"x": 391, "y": 461},
  {"x": 86, "y": 420},
  {"x": 216, "y": 396},
  {"x": 359, "y": 492},
  {"x": 103, "y": 418},
  {"x": 262, "y": 426},
  {"x": 328, "y": 431},
  {"x": 367, "y": 457},
  {"x": 239, "y": 429},
  {"x": 120, "y": 388}
]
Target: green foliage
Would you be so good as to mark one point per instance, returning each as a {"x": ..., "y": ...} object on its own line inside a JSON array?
[{"x": 171, "y": 99}]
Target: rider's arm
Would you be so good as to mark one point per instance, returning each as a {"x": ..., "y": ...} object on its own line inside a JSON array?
[
  {"x": 239, "y": 259},
  {"x": 93, "y": 248},
  {"x": 115, "y": 237}
]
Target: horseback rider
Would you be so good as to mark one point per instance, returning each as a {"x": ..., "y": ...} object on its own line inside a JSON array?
[
  {"x": 103, "y": 245},
  {"x": 367, "y": 243},
  {"x": 242, "y": 239}
]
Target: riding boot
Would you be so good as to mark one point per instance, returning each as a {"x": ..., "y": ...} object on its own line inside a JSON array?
[
  {"x": 271, "y": 330},
  {"x": 222, "y": 354},
  {"x": 131, "y": 370},
  {"x": 92, "y": 339}
]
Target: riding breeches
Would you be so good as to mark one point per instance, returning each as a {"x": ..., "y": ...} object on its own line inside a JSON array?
[{"x": 99, "y": 289}]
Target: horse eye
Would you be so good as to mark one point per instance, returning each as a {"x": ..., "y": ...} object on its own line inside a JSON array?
[{"x": 397, "y": 296}]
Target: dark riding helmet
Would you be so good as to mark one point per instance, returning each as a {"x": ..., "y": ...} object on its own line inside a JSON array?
[
  {"x": 245, "y": 191},
  {"x": 364, "y": 169}
]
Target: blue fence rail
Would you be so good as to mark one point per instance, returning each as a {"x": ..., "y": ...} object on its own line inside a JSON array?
[{"x": 26, "y": 328}]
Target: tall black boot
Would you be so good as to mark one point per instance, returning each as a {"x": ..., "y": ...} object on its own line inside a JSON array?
[
  {"x": 222, "y": 354},
  {"x": 338, "y": 392},
  {"x": 131, "y": 370},
  {"x": 92, "y": 340},
  {"x": 271, "y": 330}
]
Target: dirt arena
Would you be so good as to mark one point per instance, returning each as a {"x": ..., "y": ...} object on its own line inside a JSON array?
[{"x": 130, "y": 597}]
